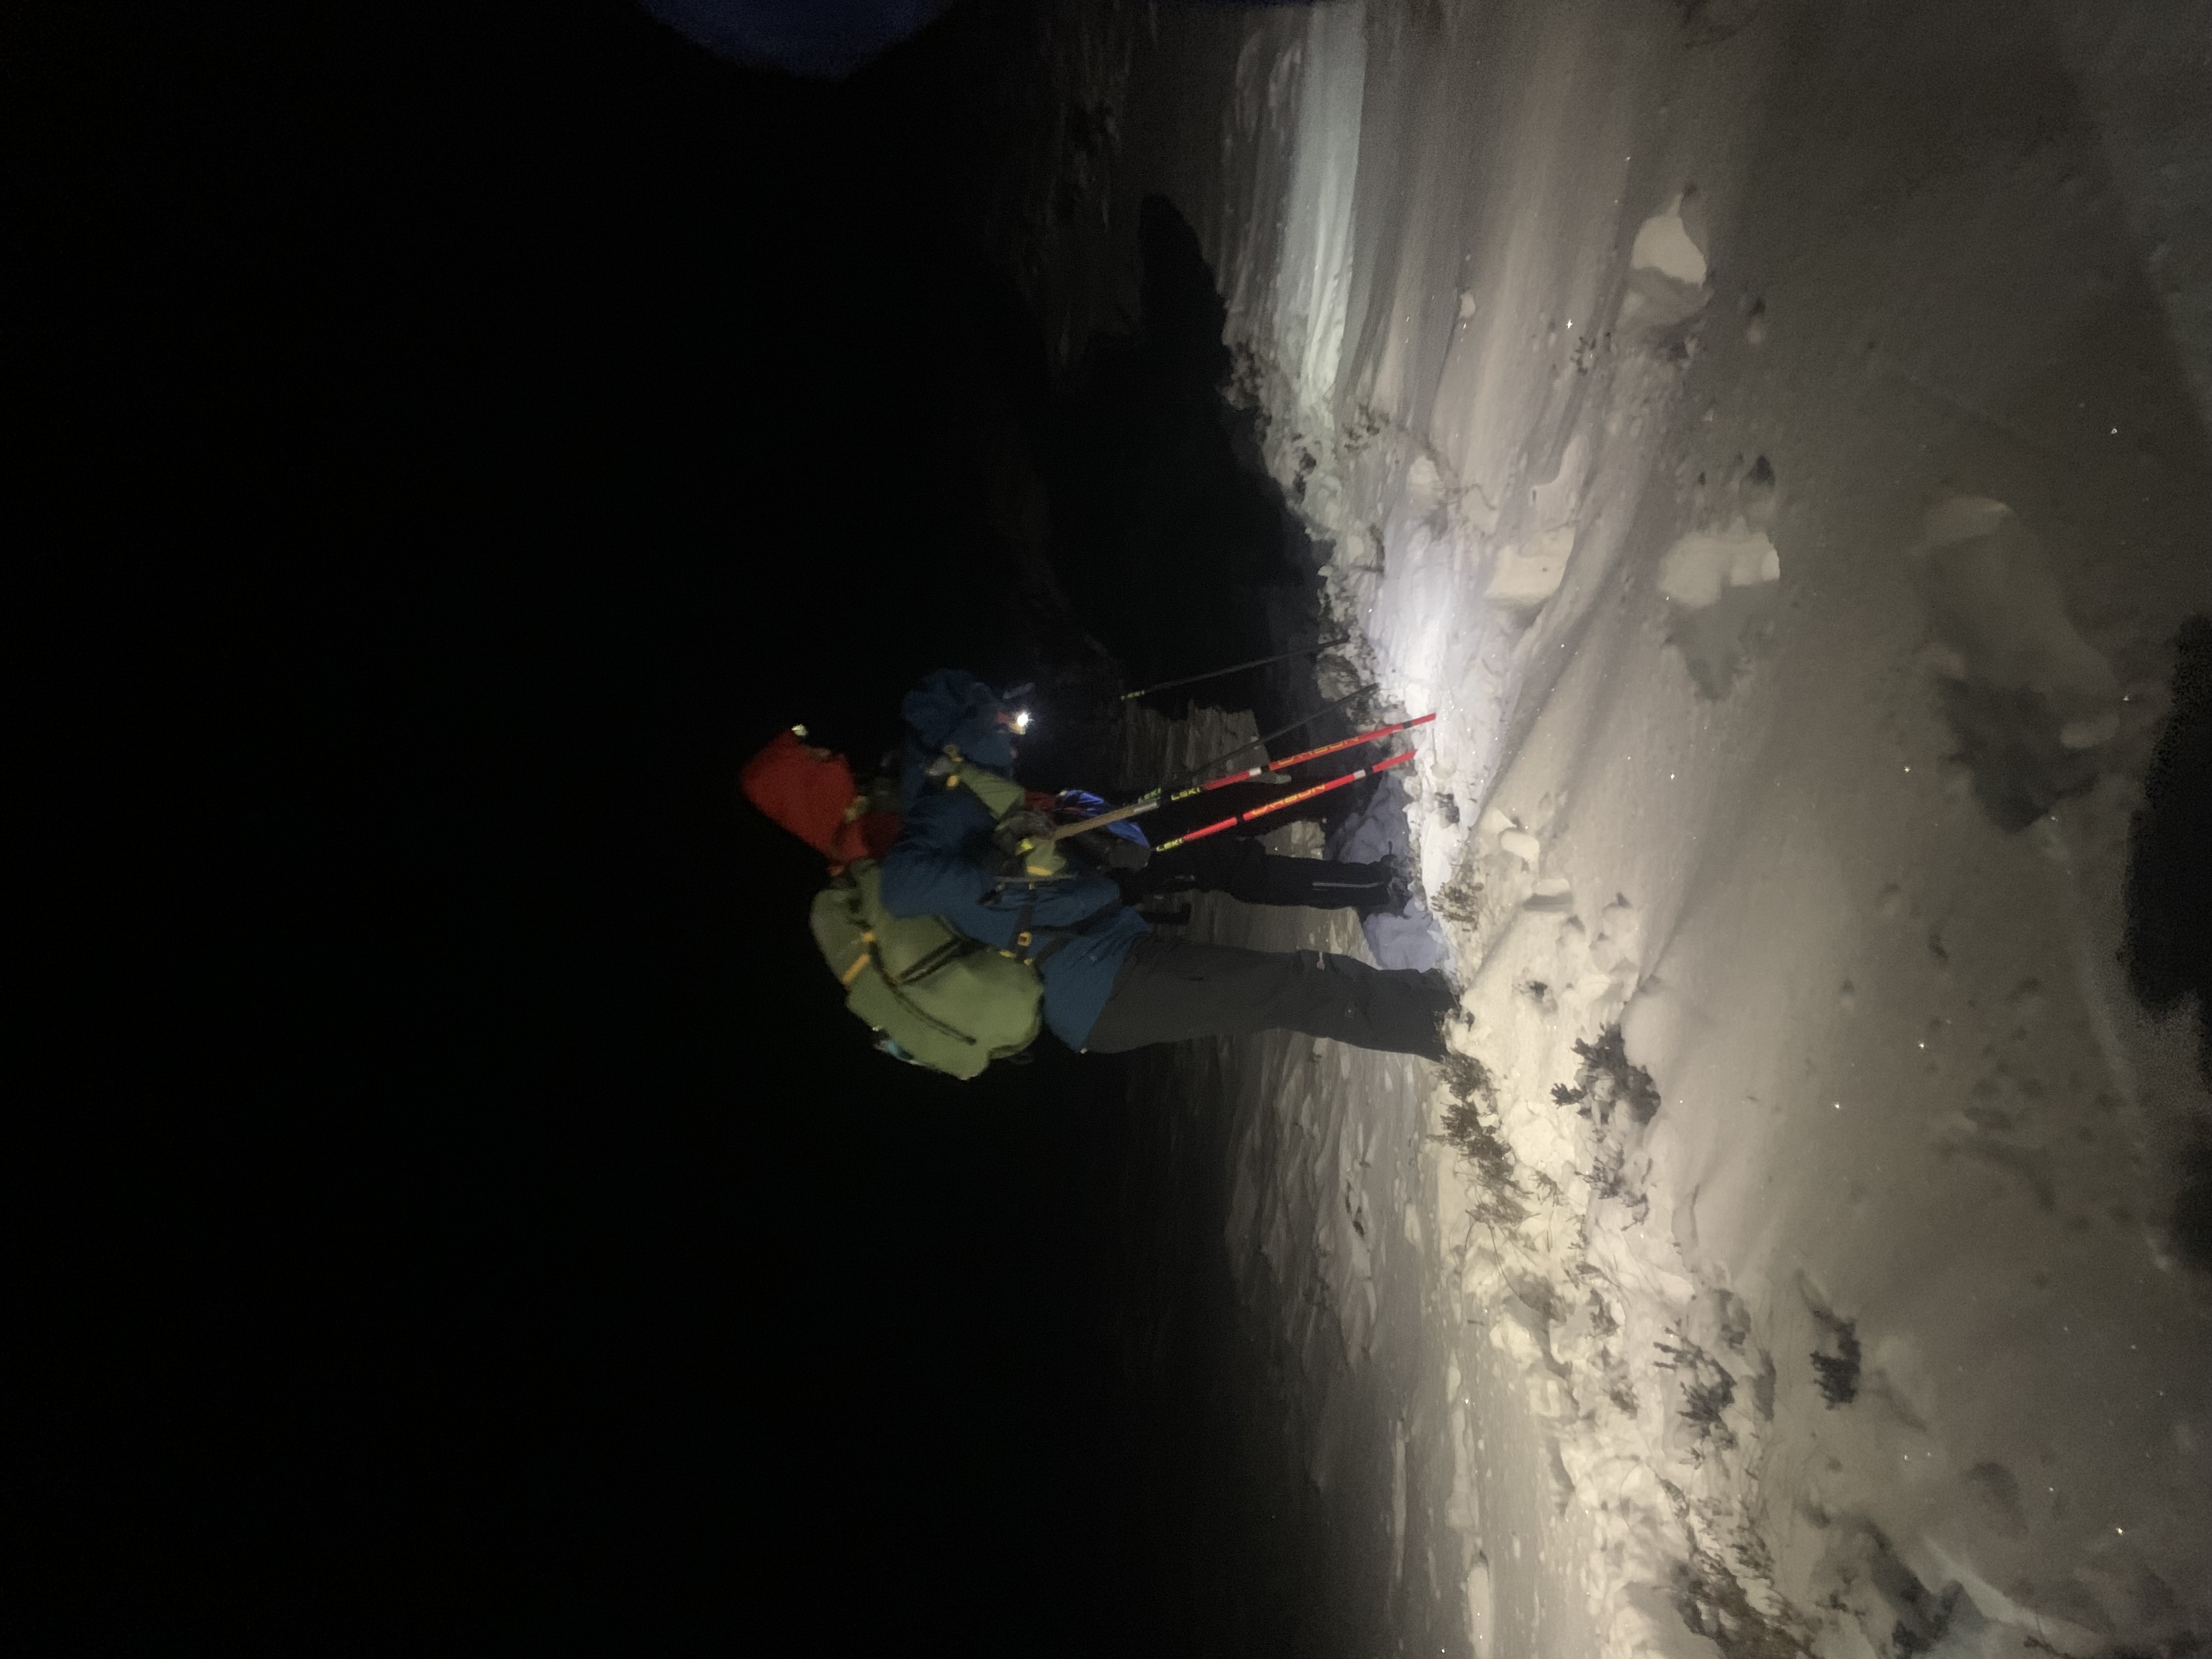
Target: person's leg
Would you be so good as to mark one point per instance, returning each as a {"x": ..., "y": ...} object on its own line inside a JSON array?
[
  {"x": 1170, "y": 989},
  {"x": 1324, "y": 884},
  {"x": 1241, "y": 867}
]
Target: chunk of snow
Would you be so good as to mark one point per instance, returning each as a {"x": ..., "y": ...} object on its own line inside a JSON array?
[
  {"x": 2087, "y": 734},
  {"x": 1664, "y": 244},
  {"x": 1665, "y": 272},
  {"x": 1524, "y": 580},
  {"x": 1699, "y": 567},
  {"x": 1425, "y": 485}
]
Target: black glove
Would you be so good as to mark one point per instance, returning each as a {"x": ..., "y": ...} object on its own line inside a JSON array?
[{"x": 1115, "y": 852}]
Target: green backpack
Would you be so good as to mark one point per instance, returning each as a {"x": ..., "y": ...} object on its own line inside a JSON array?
[{"x": 943, "y": 1001}]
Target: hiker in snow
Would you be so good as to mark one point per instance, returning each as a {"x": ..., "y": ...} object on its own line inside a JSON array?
[{"x": 1109, "y": 982}]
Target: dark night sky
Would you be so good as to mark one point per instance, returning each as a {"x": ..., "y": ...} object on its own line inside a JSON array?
[{"x": 501, "y": 421}]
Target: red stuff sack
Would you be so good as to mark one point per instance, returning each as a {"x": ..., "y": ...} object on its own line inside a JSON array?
[{"x": 810, "y": 792}]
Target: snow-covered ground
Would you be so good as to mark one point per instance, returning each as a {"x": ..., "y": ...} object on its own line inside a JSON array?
[{"x": 1771, "y": 437}]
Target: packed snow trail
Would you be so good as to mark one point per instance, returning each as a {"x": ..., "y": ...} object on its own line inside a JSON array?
[{"x": 1771, "y": 435}]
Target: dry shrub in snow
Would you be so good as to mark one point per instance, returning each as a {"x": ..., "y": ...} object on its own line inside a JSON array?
[
  {"x": 1610, "y": 1078},
  {"x": 1469, "y": 1130},
  {"x": 1838, "y": 1373},
  {"x": 1713, "y": 1603}
]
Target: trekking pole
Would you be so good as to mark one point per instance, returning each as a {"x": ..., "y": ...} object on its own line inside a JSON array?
[
  {"x": 1399, "y": 759},
  {"x": 1156, "y": 799},
  {"x": 1351, "y": 741},
  {"x": 1234, "y": 668},
  {"x": 1256, "y": 743}
]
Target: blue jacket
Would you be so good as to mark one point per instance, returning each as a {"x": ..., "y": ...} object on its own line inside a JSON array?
[
  {"x": 943, "y": 864},
  {"x": 954, "y": 708}
]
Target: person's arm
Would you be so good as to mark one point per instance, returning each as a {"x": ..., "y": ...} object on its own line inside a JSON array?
[
  {"x": 939, "y": 863},
  {"x": 945, "y": 862}
]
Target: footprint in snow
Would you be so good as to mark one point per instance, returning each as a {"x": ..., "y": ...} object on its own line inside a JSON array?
[
  {"x": 2030, "y": 702},
  {"x": 1719, "y": 587},
  {"x": 1552, "y": 893}
]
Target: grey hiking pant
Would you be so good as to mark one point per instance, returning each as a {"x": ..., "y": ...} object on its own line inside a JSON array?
[
  {"x": 1170, "y": 989},
  {"x": 1241, "y": 867}
]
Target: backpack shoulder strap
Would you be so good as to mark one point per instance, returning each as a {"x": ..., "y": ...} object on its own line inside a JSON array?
[
  {"x": 1001, "y": 797},
  {"x": 1059, "y": 937}
]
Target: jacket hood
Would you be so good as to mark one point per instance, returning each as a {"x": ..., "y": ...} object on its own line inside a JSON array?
[{"x": 953, "y": 706}]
